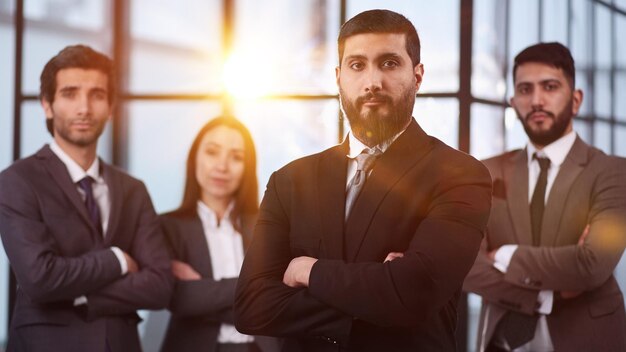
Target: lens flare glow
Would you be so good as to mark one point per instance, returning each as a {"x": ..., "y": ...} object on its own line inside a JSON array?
[{"x": 247, "y": 76}]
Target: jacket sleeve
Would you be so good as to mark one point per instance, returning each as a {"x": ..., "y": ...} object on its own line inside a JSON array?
[
  {"x": 205, "y": 297},
  {"x": 266, "y": 306},
  {"x": 442, "y": 250},
  {"x": 574, "y": 267},
  {"x": 488, "y": 282},
  {"x": 400, "y": 293},
  {"x": 42, "y": 271},
  {"x": 149, "y": 288}
]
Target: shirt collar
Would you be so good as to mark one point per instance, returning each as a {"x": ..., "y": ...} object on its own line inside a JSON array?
[
  {"x": 556, "y": 151},
  {"x": 76, "y": 172},
  {"x": 207, "y": 214},
  {"x": 356, "y": 146}
]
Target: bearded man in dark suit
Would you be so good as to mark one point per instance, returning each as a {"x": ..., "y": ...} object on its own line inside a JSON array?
[{"x": 364, "y": 246}]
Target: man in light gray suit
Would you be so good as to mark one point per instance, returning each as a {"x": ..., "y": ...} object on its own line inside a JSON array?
[
  {"x": 557, "y": 228},
  {"x": 82, "y": 237}
]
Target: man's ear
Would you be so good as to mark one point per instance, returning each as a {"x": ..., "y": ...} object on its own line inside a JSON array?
[
  {"x": 577, "y": 100},
  {"x": 512, "y": 102},
  {"x": 418, "y": 71},
  {"x": 47, "y": 108},
  {"x": 337, "y": 74}
]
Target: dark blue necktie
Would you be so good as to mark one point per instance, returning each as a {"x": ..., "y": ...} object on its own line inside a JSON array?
[{"x": 90, "y": 202}]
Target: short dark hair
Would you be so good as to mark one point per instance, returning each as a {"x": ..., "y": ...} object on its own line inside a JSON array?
[
  {"x": 554, "y": 54},
  {"x": 74, "y": 56},
  {"x": 381, "y": 21}
]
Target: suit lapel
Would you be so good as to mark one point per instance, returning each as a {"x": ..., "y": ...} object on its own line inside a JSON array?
[
  {"x": 402, "y": 155},
  {"x": 331, "y": 198},
  {"x": 114, "y": 183},
  {"x": 60, "y": 175},
  {"x": 516, "y": 176},
  {"x": 247, "y": 229},
  {"x": 572, "y": 166},
  {"x": 198, "y": 248}
]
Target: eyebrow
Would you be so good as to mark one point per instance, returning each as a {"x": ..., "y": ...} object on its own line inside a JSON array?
[
  {"x": 73, "y": 88},
  {"x": 543, "y": 81},
  {"x": 99, "y": 90},
  {"x": 390, "y": 56},
  {"x": 354, "y": 57},
  {"x": 68, "y": 88},
  {"x": 380, "y": 57},
  {"x": 212, "y": 144}
]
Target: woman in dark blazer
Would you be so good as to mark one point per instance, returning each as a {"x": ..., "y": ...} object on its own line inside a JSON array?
[{"x": 207, "y": 235}]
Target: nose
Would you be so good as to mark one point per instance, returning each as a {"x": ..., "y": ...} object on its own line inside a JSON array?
[
  {"x": 374, "y": 82},
  {"x": 537, "y": 99},
  {"x": 84, "y": 105},
  {"x": 221, "y": 163}
]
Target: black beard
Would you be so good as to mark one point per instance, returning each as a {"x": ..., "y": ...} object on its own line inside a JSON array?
[
  {"x": 373, "y": 128},
  {"x": 560, "y": 123}
]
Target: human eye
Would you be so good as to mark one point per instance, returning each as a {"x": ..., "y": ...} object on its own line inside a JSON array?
[
  {"x": 99, "y": 95},
  {"x": 238, "y": 156},
  {"x": 390, "y": 64},
  {"x": 211, "y": 151},
  {"x": 523, "y": 89},
  {"x": 67, "y": 93},
  {"x": 551, "y": 86},
  {"x": 356, "y": 65}
]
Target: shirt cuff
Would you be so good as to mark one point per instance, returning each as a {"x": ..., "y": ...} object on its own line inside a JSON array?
[
  {"x": 503, "y": 257},
  {"x": 80, "y": 301},
  {"x": 120, "y": 257},
  {"x": 545, "y": 299}
]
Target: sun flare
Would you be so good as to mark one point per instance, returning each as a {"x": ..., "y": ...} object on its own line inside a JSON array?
[{"x": 246, "y": 76}]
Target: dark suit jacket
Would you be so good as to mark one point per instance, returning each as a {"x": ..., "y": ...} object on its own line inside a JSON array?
[
  {"x": 57, "y": 255},
  {"x": 422, "y": 198},
  {"x": 199, "y": 307},
  {"x": 590, "y": 188}
]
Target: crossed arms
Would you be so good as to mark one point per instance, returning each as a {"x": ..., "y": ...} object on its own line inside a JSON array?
[
  {"x": 273, "y": 297},
  {"x": 46, "y": 274}
]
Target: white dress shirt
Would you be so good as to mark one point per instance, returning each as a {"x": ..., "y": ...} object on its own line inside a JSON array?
[
  {"x": 226, "y": 251},
  {"x": 100, "y": 193},
  {"x": 356, "y": 147},
  {"x": 557, "y": 152}
]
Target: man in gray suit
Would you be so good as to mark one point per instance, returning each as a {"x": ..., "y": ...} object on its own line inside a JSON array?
[
  {"x": 557, "y": 228},
  {"x": 82, "y": 237}
]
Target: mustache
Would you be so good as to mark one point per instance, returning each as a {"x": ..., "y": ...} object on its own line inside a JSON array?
[
  {"x": 549, "y": 114},
  {"x": 371, "y": 96}
]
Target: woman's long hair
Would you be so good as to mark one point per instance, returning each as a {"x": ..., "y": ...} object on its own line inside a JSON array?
[{"x": 246, "y": 196}]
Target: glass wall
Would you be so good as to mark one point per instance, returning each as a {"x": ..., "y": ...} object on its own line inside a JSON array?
[{"x": 7, "y": 63}]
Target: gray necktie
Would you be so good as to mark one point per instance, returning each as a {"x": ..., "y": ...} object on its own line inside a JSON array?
[{"x": 365, "y": 162}]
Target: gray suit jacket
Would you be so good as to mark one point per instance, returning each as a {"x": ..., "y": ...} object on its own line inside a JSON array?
[
  {"x": 590, "y": 188},
  {"x": 199, "y": 307},
  {"x": 57, "y": 255}
]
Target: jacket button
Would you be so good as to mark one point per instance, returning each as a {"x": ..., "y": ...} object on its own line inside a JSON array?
[{"x": 329, "y": 340}]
